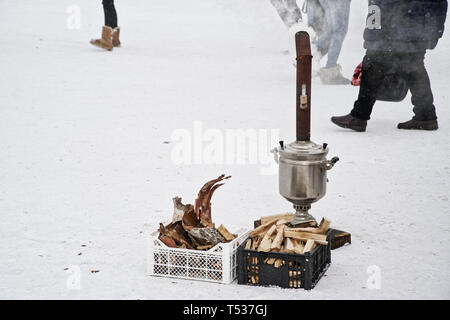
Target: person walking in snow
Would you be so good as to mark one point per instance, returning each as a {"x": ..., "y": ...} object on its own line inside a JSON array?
[
  {"x": 288, "y": 11},
  {"x": 327, "y": 26},
  {"x": 329, "y": 19},
  {"x": 396, "y": 37},
  {"x": 110, "y": 31}
]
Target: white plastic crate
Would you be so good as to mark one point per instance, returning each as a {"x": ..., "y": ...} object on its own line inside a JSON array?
[{"x": 218, "y": 264}]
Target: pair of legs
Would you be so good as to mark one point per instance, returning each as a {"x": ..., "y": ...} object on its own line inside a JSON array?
[
  {"x": 110, "y": 31},
  {"x": 110, "y": 13},
  {"x": 288, "y": 11},
  {"x": 329, "y": 18},
  {"x": 409, "y": 66}
]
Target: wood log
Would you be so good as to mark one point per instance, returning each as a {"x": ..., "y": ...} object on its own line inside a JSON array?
[
  {"x": 324, "y": 225},
  {"x": 298, "y": 247},
  {"x": 226, "y": 234},
  {"x": 289, "y": 245},
  {"x": 276, "y": 243},
  {"x": 309, "y": 246},
  {"x": 281, "y": 222},
  {"x": 263, "y": 228},
  {"x": 286, "y": 216},
  {"x": 267, "y": 240},
  {"x": 278, "y": 263},
  {"x": 305, "y": 236},
  {"x": 248, "y": 244},
  {"x": 307, "y": 229}
]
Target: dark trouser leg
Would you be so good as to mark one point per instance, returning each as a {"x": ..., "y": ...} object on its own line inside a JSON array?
[
  {"x": 374, "y": 68},
  {"x": 420, "y": 87},
  {"x": 110, "y": 13}
]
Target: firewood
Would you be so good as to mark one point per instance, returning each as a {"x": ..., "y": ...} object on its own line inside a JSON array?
[
  {"x": 271, "y": 231},
  {"x": 265, "y": 244},
  {"x": 278, "y": 263},
  {"x": 309, "y": 246},
  {"x": 305, "y": 236},
  {"x": 289, "y": 246},
  {"x": 226, "y": 234},
  {"x": 276, "y": 243},
  {"x": 286, "y": 216},
  {"x": 307, "y": 229},
  {"x": 281, "y": 222},
  {"x": 294, "y": 274},
  {"x": 248, "y": 244},
  {"x": 263, "y": 228},
  {"x": 267, "y": 240},
  {"x": 298, "y": 247},
  {"x": 324, "y": 225},
  {"x": 270, "y": 261}
]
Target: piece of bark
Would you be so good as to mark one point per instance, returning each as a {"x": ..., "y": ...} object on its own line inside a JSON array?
[
  {"x": 207, "y": 247},
  {"x": 248, "y": 244},
  {"x": 305, "y": 236},
  {"x": 168, "y": 241},
  {"x": 190, "y": 220},
  {"x": 286, "y": 216},
  {"x": 309, "y": 246},
  {"x": 205, "y": 236},
  {"x": 203, "y": 202},
  {"x": 276, "y": 243},
  {"x": 324, "y": 225},
  {"x": 226, "y": 234},
  {"x": 179, "y": 209},
  {"x": 339, "y": 238},
  {"x": 263, "y": 228},
  {"x": 177, "y": 233}
]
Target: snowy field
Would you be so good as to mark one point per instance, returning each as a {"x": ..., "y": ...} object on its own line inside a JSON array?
[{"x": 86, "y": 144}]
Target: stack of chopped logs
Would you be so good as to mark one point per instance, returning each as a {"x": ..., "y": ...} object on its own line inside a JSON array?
[
  {"x": 192, "y": 226},
  {"x": 275, "y": 235}
]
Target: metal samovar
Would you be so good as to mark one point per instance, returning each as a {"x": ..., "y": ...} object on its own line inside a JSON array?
[{"x": 303, "y": 164}]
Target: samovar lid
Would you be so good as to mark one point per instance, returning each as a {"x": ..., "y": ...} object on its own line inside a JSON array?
[{"x": 303, "y": 150}]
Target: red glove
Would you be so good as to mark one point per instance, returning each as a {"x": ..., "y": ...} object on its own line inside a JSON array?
[{"x": 356, "y": 80}]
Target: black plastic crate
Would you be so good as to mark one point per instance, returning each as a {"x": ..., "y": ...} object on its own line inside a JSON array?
[{"x": 297, "y": 270}]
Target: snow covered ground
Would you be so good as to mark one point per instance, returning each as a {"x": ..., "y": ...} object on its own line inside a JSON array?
[{"x": 85, "y": 151}]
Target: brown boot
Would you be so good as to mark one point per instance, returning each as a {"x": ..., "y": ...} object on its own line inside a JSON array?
[
  {"x": 106, "y": 41},
  {"x": 115, "y": 37}
]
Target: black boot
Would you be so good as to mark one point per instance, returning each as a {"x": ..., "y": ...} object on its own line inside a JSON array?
[
  {"x": 350, "y": 122},
  {"x": 419, "y": 125}
]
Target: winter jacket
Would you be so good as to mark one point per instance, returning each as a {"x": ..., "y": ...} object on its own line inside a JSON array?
[{"x": 404, "y": 25}]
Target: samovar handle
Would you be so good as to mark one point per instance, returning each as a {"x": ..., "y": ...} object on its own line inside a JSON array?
[{"x": 330, "y": 163}]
